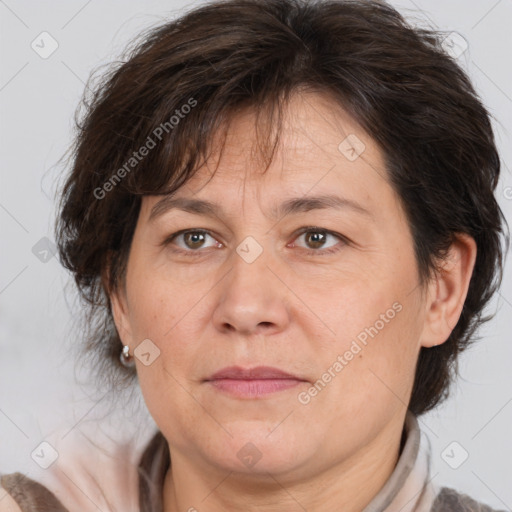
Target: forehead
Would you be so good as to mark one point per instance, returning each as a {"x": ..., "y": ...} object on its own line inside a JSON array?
[
  {"x": 321, "y": 150},
  {"x": 313, "y": 128}
]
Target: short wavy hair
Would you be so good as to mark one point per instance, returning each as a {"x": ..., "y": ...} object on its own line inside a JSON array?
[{"x": 181, "y": 81}]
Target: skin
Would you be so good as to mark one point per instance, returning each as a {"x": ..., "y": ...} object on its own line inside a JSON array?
[{"x": 287, "y": 309}]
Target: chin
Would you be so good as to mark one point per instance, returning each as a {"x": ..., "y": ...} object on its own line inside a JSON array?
[{"x": 254, "y": 450}]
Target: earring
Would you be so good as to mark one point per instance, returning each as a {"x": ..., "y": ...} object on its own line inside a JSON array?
[{"x": 125, "y": 357}]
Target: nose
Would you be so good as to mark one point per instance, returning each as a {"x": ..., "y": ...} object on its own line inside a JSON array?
[{"x": 253, "y": 299}]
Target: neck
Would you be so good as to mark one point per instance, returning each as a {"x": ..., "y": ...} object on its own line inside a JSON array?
[{"x": 349, "y": 485}]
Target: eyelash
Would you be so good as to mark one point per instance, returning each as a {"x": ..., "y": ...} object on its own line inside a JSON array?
[{"x": 316, "y": 252}]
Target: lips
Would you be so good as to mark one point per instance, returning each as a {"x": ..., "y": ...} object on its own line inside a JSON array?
[
  {"x": 252, "y": 383},
  {"x": 256, "y": 373}
]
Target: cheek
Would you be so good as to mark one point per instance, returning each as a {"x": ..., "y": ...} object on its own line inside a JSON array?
[
  {"x": 381, "y": 358},
  {"x": 168, "y": 312},
  {"x": 370, "y": 339},
  {"x": 158, "y": 303}
]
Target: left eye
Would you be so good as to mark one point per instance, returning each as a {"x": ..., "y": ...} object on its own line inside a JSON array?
[{"x": 317, "y": 239}]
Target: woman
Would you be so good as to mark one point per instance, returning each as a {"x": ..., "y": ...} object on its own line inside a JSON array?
[{"x": 282, "y": 216}]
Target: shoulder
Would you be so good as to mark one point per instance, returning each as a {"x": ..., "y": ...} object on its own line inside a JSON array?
[
  {"x": 450, "y": 500},
  {"x": 18, "y": 493},
  {"x": 85, "y": 477},
  {"x": 7, "y": 504}
]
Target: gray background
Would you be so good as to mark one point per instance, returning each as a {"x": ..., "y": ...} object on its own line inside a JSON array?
[{"x": 38, "y": 389}]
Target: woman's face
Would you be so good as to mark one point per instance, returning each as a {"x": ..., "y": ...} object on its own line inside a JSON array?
[{"x": 325, "y": 290}]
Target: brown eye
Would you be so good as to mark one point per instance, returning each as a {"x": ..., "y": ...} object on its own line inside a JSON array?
[
  {"x": 194, "y": 239},
  {"x": 315, "y": 239},
  {"x": 318, "y": 239},
  {"x": 190, "y": 241}
]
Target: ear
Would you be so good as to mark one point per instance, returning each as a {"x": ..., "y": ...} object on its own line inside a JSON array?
[
  {"x": 118, "y": 303},
  {"x": 118, "y": 306},
  {"x": 448, "y": 290}
]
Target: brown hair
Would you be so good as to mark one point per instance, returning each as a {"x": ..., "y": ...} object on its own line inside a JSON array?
[{"x": 396, "y": 82}]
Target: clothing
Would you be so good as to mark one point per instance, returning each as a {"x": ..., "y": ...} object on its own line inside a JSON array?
[{"x": 408, "y": 489}]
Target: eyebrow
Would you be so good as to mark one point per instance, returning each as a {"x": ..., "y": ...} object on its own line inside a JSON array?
[{"x": 288, "y": 207}]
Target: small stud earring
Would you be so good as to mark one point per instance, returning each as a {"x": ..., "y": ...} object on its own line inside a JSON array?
[{"x": 125, "y": 357}]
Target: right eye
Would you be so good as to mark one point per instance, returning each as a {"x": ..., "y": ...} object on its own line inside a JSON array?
[{"x": 191, "y": 241}]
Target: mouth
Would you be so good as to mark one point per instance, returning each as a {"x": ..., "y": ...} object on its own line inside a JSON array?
[{"x": 253, "y": 382}]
